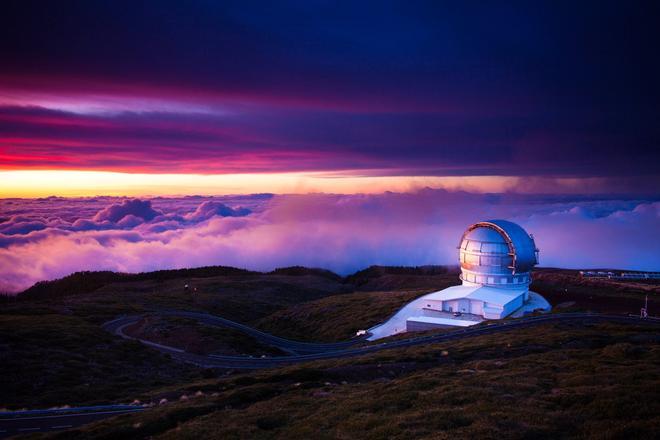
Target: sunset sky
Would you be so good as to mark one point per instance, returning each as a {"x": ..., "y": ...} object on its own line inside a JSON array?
[
  {"x": 298, "y": 96},
  {"x": 142, "y": 135}
]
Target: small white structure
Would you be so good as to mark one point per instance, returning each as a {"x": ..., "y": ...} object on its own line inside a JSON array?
[{"x": 496, "y": 258}]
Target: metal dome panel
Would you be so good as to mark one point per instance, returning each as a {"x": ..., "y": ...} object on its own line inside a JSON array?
[
  {"x": 495, "y": 251},
  {"x": 523, "y": 244}
]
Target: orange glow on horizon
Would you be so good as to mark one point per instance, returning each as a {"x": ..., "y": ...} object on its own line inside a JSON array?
[{"x": 43, "y": 183}]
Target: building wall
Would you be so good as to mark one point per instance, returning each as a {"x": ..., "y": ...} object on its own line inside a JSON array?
[
  {"x": 476, "y": 307},
  {"x": 457, "y": 305},
  {"x": 415, "y": 326},
  {"x": 493, "y": 311},
  {"x": 450, "y": 306},
  {"x": 513, "y": 305},
  {"x": 433, "y": 304}
]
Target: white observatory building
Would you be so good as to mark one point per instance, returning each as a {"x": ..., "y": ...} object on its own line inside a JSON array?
[{"x": 496, "y": 258}]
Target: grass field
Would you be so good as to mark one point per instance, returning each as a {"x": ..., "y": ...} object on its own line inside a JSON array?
[
  {"x": 194, "y": 337},
  {"x": 555, "y": 381},
  {"x": 53, "y": 351},
  {"x": 53, "y": 360}
]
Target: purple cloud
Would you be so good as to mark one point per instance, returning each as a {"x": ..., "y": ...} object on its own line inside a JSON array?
[
  {"x": 89, "y": 225},
  {"x": 130, "y": 221},
  {"x": 343, "y": 233},
  {"x": 135, "y": 207},
  {"x": 20, "y": 225},
  {"x": 212, "y": 208}
]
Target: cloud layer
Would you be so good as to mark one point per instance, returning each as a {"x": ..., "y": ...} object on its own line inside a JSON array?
[{"x": 49, "y": 238}]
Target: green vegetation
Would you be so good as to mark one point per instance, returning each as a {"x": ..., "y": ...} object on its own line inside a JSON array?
[
  {"x": 195, "y": 337},
  {"x": 403, "y": 278},
  {"x": 568, "y": 290},
  {"x": 48, "y": 360},
  {"x": 554, "y": 381},
  {"x": 54, "y": 352},
  {"x": 335, "y": 318},
  {"x": 85, "y": 282},
  {"x": 303, "y": 271},
  {"x": 241, "y": 296}
]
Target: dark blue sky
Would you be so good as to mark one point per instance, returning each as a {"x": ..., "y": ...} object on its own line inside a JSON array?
[{"x": 565, "y": 89}]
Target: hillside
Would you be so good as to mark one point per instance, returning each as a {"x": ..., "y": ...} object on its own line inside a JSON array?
[
  {"x": 335, "y": 318},
  {"x": 554, "y": 381},
  {"x": 55, "y": 352},
  {"x": 51, "y": 359},
  {"x": 566, "y": 289}
]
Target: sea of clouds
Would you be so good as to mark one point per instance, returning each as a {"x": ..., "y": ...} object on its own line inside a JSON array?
[{"x": 49, "y": 238}]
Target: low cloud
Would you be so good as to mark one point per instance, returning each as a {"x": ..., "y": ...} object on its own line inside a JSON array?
[
  {"x": 211, "y": 208},
  {"x": 21, "y": 225},
  {"x": 136, "y": 208},
  {"x": 343, "y": 233}
]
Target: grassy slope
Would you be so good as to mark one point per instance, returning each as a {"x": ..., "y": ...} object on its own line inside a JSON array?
[
  {"x": 195, "y": 337},
  {"x": 561, "y": 380},
  {"x": 379, "y": 293},
  {"x": 55, "y": 360},
  {"x": 53, "y": 351},
  {"x": 335, "y": 318},
  {"x": 241, "y": 298},
  {"x": 598, "y": 295},
  {"x": 59, "y": 338}
]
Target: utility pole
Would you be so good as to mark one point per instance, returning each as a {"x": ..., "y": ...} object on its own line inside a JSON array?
[{"x": 644, "y": 313}]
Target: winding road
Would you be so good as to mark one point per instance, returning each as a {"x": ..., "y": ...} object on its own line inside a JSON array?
[
  {"x": 38, "y": 421},
  {"x": 305, "y": 351},
  {"x": 24, "y": 422}
]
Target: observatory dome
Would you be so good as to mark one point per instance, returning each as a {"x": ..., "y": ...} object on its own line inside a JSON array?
[{"x": 497, "y": 252}]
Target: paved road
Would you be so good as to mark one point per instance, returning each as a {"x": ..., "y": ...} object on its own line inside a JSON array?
[
  {"x": 26, "y": 422},
  {"x": 118, "y": 325},
  {"x": 310, "y": 352},
  {"x": 52, "y": 420}
]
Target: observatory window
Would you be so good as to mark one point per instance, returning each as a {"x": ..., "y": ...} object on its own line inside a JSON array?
[
  {"x": 494, "y": 248},
  {"x": 503, "y": 280},
  {"x": 491, "y": 261},
  {"x": 472, "y": 259},
  {"x": 474, "y": 246},
  {"x": 491, "y": 280}
]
